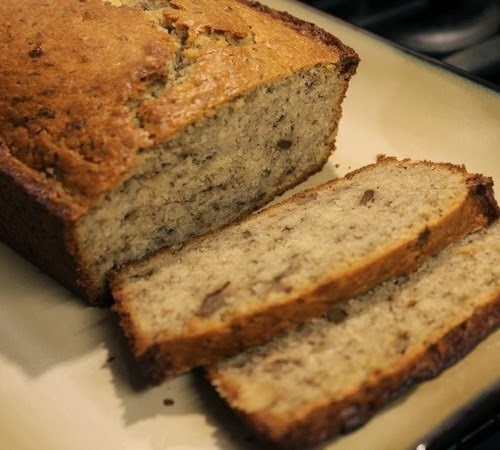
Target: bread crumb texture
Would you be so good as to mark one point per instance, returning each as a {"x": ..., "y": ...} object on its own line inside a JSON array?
[{"x": 289, "y": 248}]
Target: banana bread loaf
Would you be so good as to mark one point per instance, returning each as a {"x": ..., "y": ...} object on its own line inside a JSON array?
[
  {"x": 246, "y": 283},
  {"x": 334, "y": 373},
  {"x": 133, "y": 125}
]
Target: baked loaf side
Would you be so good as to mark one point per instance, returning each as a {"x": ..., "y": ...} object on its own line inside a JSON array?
[
  {"x": 334, "y": 373},
  {"x": 254, "y": 279},
  {"x": 135, "y": 125}
]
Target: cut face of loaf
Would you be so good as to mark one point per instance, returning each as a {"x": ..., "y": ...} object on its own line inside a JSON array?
[
  {"x": 215, "y": 171},
  {"x": 172, "y": 119},
  {"x": 332, "y": 374},
  {"x": 248, "y": 282}
]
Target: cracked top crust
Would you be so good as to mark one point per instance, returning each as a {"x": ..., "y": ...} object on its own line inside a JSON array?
[{"x": 85, "y": 84}]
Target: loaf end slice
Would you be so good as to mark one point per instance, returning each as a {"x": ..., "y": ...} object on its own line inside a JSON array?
[
  {"x": 248, "y": 282},
  {"x": 333, "y": 374}
]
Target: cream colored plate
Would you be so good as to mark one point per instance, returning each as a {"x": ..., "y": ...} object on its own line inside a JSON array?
[{"x": 66, "y": 379}]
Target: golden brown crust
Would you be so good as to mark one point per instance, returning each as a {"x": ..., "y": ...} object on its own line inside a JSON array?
[
  {"x": 84, "y": 111},
  {"x": 163, "y": 359},
  {"x": 348, "y": 57},
  {"x": 357, "y": 408},
  {"x": 28, "y": 225},
  {"x": 67, "y": 120}
]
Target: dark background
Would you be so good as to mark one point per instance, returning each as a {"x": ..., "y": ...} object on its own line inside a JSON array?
[{"x": 462, "y": 33}]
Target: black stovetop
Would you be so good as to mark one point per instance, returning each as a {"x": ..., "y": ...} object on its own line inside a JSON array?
[{"x": 462, "y": 33}]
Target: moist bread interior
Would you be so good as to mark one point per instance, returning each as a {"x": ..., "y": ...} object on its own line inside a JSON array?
[{"x": 212, "y": 172}]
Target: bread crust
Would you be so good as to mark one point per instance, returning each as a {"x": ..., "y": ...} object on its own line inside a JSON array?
[
  {"x": 31, "y": 224},
  {"x": 167, "y": 357},
  {"x": 356, "y": 408},
  {"x": 80, "y": 152},
  {"x": 348, "y": 57}
]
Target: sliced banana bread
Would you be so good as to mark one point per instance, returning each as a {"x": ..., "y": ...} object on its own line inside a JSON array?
[
  {"x": 131, "y": 126},
  {"x": 332, "y": 374},
  {"x": 254, "y": 279}
]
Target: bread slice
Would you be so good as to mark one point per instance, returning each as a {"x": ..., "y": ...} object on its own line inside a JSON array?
[
  {"x": 334, "y": 373},
  {"x": 250, "y": 281},
  {"x": 131, "y": 126}
]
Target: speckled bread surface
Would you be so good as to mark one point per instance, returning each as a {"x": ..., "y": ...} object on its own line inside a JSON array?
[
  {"x": 246, "y": 283},
  {"x": 331, "y": 375},
  {"x": 127, "y": 126}
]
